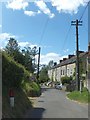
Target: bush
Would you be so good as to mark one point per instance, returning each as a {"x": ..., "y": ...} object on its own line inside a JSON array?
[
  {"x": 36, "y": 89},
  {"x": 66, "y": 80},
  {"x": 72, "y": 86},
  {"x": 31, "y": 88},
  {"x": 84, "y": 89}
]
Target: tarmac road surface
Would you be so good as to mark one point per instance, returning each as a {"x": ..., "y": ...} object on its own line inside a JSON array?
[{"x": 54, "y": 104}]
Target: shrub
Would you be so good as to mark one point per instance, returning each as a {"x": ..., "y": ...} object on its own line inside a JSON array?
[
  {"x": 66, "y": 80},
  {"x": 84, "y": 89},
  {"x": 31, "y": 88},
  {"x": 36, "y": 89}
]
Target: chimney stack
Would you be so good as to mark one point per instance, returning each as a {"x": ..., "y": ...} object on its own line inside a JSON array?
[
  {"x": 61, "y": 61},
  {"x": 70, "y": 56},
  {"x": 64, "y": 59}
]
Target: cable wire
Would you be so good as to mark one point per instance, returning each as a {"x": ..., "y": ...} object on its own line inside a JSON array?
[
  {"x": 84, "y": 11},
  {"x": 43, "y": 32},
  {"x": 66, "y": 37},
  {"x": 44, "y": 29}
]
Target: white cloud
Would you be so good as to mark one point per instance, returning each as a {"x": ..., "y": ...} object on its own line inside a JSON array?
[
  {"x": 32, "y": 13},
  {"x": 4, "y": 39},
  {"x": 0, "y": 26},
  {"x": 17, "y": 4},
  {"x": 26, "y": 44},
  {"x": 68, "y": 6},
  {"x": 6, "y": 36},
  {"x": 44, "y": 59},
  {"x": 43, "y": 7}
]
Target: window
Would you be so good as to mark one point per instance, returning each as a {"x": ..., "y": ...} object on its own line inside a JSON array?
[
  {"x": 63, "y": 72},
  {"x": 71, "y": 71},
  {"x": 68, "y": 71}
]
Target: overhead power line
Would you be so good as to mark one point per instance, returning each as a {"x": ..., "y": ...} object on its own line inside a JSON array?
[
  {"x": 45, "y": 26},
  {"x": 66, "y": 37},
  {"x": 84, "y": 11},
  {"x": 44, "y": 30}
]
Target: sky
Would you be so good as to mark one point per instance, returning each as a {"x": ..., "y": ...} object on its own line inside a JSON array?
[{"x": 45, "y": 24}]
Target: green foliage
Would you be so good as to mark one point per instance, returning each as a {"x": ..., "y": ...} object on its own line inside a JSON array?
[
  {"x": 82, "y": 67},
  {"x": 12, "y": 47},
  {"x": 84, "y": 89},
  {"x": 83, "y": 97},
  {"x": 29, "y": 58},
  {"x": 22, "y": 103},
  {"x": 66, "y": 80},
  {"x": 15, "y": 75},
  {"x": 31, "y": 88},
  {"x": 12, "y": 74},
  {"x": 26, "y": 57},
  {"x": 43, "y": 75},
  {"x": 19, "y": 57},
  {"x": 35, "y": 86}
]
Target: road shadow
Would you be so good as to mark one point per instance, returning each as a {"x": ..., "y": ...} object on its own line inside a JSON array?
[{"x": 35, "y": 113}]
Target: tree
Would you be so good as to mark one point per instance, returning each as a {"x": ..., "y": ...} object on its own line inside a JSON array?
[
  {"x": 50, "y": 64},
  {"x": 30, "y": 58},
  {"x": 44, "y": 74},
  {"x": 25, "y": 57},
  {"x": 12, "y": 47}
]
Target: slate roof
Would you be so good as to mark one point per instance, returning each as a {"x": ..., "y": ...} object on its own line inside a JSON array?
[{"x": 69, "y": 60}]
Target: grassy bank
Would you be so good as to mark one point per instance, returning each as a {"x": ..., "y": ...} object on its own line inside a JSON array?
[
  {"x": 22, "y": 103},
  {"x": 83, "y": 97},
  {"x": 15, "y": 76}
]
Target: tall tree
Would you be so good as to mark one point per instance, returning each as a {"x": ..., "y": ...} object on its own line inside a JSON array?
[
  {"x": 12, "y": 47},
  {"x": 44, "y": 74},
  {"x": 30, "y": 57}
]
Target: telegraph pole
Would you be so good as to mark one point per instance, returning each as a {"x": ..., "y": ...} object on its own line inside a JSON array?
[
  {"x": 77, "y": 23},
  {"x": 38, "y": 64}
]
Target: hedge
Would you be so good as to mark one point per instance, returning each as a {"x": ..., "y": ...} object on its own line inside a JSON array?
[{"x": 66, "y": 80}]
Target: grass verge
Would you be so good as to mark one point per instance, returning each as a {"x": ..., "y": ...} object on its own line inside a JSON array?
[{"x": 83, "y": 97}]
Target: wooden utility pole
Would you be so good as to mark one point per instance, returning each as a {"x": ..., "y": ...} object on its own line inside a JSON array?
[
  {"x": 38, "y": 64},
  {"x": 77, "y": 23}
]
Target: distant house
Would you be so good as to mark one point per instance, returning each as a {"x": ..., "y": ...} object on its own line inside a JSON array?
[{"x": 67, "y": 67}]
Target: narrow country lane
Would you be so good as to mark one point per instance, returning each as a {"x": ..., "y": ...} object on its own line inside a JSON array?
[{"x": 54, "y": 104}]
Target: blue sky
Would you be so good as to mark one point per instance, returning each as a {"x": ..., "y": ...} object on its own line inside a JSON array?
[{"x": 45, "y": 24}]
